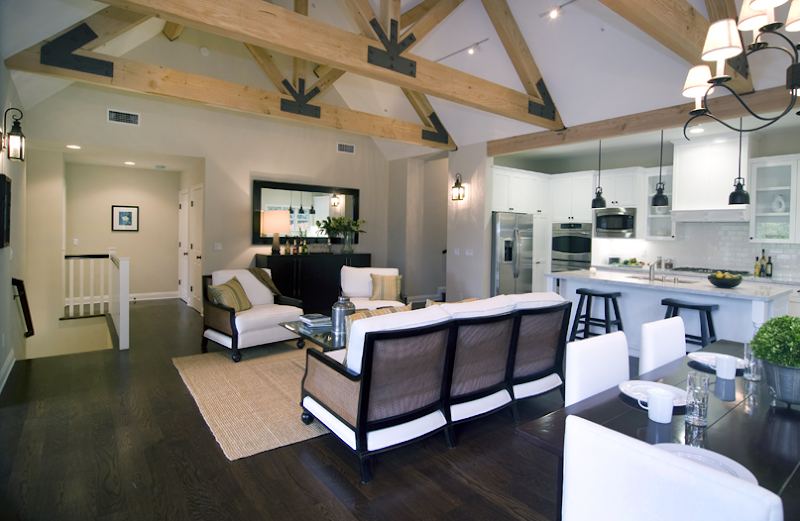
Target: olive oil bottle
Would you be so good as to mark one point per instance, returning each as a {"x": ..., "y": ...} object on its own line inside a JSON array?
[
  {"x": 757, "y": 268},
  {"x": 763, "y": 262}
]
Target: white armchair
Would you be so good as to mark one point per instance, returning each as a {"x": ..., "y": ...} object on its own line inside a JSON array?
[{"x": 356, "y": 283}]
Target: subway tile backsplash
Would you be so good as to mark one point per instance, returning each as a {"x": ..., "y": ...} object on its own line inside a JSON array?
[{"x": 707, "y": 245}]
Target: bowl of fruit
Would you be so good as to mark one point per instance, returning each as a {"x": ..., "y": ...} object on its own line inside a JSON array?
[{"x": 724, "y": 279}]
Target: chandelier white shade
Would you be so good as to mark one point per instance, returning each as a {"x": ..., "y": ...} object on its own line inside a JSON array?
[
  {"x": 751, "y": 19},
  {"x": 722, "y": 42},
  {"x": 793, "y": 21},
  {"x": 761, "y": 5},
  {"x": 697, "y": 81}
]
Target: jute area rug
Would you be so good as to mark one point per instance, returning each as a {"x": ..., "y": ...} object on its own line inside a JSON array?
[{"x": 254, "y": 405}]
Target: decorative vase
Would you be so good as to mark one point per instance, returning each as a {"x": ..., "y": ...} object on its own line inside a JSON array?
[
  {"x": 348, "y": 240},
  {"x": 783, "y": 382}
]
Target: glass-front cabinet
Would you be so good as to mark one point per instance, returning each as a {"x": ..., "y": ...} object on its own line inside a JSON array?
[
  {"x": 773, "y": 190},
  {"x": 658, "y": 225}
]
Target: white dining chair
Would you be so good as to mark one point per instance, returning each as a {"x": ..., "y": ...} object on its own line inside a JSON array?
[
  {"x": 662, "y": 342},
  {"x": 611, "y": 476},
  {"x": 594, "y": 365}
]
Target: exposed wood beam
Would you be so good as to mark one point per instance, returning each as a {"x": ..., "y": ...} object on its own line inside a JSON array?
[
  {"x": 108, "y": 23},
  {"x": 676, "y": 25},
  {"x": 431, "y": 19},
  {"x": 301, "y": 8},
  {"x": 516, "y": 47},
  {"x": 326, "y": 81},
  {"x": 267, "y": 25},
  {"x": 151, "y": 79},
  {"x": 415, "y": 13},
  {"x": 270, "y": 68},
  {"x": 724, "y": 107},
  {"x": 421, "y": 106},
  {"x": 362, "y": 13},
  {"x": 721, "y": 9},
  {"x": 172, "y": 30},
  {"x": 390, "y": 10}
]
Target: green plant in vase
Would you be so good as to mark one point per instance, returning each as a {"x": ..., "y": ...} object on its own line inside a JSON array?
[
  {"x": 342, "y": 227},
  {"x": 777, "y": 345}
]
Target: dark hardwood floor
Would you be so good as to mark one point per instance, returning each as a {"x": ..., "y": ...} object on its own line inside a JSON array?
[{"x": 115, "y": 435}]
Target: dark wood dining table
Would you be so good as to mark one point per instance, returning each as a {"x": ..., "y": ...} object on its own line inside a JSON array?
[{"x": 742, "y": 425}]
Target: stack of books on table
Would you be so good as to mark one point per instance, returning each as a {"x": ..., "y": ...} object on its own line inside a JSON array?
[{"x": 315, "y": 322}]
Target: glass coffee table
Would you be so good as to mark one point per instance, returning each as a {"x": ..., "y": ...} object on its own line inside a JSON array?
[{"x": 325, "y": 338}]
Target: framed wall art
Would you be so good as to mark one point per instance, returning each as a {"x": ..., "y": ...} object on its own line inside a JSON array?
[{"x": 124, "y": 218}]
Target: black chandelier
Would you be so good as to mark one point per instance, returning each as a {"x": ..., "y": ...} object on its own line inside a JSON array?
[{"x": 723, "y": 42}]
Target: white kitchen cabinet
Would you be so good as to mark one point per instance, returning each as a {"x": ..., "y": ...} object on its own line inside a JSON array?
[
  {"x": 773, "y": 199},
  {"x": 704, "y": 170},
  {"x": 620, "y": 186},
  {"x": 656, "y": 223},
  {"x": 572, "y": 196},
  {"x": 520, "y": 191}
]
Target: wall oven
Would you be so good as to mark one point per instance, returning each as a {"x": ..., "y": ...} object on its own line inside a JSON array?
[
  {"x": 572, "y": 246},
  {"x": 617, "y": 223}
]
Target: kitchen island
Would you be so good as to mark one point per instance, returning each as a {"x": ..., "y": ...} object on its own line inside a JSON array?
[{"x": 742, "y": 310}]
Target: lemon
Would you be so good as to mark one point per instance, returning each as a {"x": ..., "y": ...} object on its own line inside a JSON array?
[{"x": 719, "y": 275}]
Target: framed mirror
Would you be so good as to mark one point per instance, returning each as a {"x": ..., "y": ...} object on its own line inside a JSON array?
[{"x": 306, "y": 205}]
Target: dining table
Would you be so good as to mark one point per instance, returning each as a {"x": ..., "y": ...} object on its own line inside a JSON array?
[{"x": 745, "y": 424}]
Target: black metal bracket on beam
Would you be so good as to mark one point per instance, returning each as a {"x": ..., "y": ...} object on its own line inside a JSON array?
[
  {"x": 548, "y": 109},
  {"x": 390, "y": 57},
  {"x": 440, "y": 136},
  {"x": 59, "y": 53},
  {"x": 300, "y": 104},
  {"x": 740, "y": 64}
]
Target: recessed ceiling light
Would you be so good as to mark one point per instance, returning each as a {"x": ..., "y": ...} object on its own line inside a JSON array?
[
  {"x": 129, "y": 163},
  {"x": 697, "y": 129},
  {"x": 74, "y": 147}
]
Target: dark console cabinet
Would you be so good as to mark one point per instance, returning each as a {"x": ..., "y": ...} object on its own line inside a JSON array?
[{"x": 314, "y": 279}]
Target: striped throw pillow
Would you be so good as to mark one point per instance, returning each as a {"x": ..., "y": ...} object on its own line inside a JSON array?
[
  {"x": 429, "y": 302},
  {"x": 230, "y": 294},
  {"x": 386, "y": 287},
  {"x": 367, "y": 313}
]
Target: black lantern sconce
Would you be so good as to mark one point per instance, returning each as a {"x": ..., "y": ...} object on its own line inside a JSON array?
[
  {"x": 335, "y": 200},
  {"x": 458, "y": 189},
  {"x": 14, "y": 140}
]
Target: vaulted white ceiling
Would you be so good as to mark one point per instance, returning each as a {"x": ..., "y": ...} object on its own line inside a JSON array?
[{"x": 596, "y": 65}]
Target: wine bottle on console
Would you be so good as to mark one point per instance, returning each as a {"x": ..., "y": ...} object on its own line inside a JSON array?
[{"x": 769, "y": 267}]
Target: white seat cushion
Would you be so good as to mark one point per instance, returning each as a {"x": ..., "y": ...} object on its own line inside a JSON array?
[
  {"x": 256, "y": 292},
  {"x": 536, "y": 300},
  {"x": 366, "y": 303},
  {"x": 480, "y": 308},
  {"x": 392, "y": 322},
  {"x": 356, "y": 282},
  {"x": 265, "y": 316}
]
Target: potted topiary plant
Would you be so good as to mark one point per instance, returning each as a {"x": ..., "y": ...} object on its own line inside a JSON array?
[{"x": 777, "y": 344}]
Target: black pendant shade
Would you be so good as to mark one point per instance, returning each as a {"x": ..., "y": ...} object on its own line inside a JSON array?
[
  {"x": 660, "y": 199},
  {"x": 739, "y": 194},
  {"x": 598, "y": 201}
]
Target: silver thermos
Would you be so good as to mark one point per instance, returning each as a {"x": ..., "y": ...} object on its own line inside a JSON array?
[{"x": 340, "y": 310}]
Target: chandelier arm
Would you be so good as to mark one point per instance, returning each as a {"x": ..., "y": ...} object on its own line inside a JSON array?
[
  {"x": 688, "y": 122},
  {"x": 792, "y": 55},
  {"x": 743, "y": 104},
  {"x": 792, "y": 46}
]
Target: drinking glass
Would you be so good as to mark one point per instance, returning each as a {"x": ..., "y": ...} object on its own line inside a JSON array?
[
  {"x": 697, "y": 398},
  {"x": 752, "y": 365}
]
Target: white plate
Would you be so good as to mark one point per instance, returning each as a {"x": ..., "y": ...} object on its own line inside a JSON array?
[
  {"x": 710, "y": 459},
  {"x": 710, "y": 359},
  {"x": 637, "y": 389}
]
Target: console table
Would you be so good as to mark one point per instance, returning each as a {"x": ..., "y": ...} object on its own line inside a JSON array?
[{"x": 313, "y": 278}]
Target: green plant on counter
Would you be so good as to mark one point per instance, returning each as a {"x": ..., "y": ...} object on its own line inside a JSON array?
[
  {"x": 778, "y": 341},
  {"x": 338, "y": 226}
]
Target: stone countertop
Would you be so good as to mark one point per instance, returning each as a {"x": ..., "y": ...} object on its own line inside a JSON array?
[
  {"x": 776, "y": 279},
  {"x": 697, "y": 284}
]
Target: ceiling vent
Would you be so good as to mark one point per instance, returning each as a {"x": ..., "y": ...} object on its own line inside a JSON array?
[
  {"x": 126, "y": 118},
  {"x": 344, "y": 148}
]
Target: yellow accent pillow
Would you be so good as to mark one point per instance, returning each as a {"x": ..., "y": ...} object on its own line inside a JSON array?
[
  {"x": 386, "y": 287},
  {"x": 367, "y": 313},
  {"x": 230, "y": 294},
  {"x": 429, "y": 302}
]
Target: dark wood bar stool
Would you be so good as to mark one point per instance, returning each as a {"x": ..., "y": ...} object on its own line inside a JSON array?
[
  {"x": 707, "y": 333},
  {"x": 583, "y": 314}
]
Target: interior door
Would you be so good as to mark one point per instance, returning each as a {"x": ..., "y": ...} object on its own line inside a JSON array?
[
  {"x": 183, "y": 245},
  {"x": 196, "y": 247}
]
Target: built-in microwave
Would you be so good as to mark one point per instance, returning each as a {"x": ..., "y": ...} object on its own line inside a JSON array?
[{"x": 617, "y": 223}]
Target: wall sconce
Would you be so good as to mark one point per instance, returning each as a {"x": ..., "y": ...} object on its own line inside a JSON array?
[
  {"x": 275, "y": 222},
  {"x": 458, "y": 189},
  {"x": 14, "y": 139},
  {"x": 334, "y": 200}
]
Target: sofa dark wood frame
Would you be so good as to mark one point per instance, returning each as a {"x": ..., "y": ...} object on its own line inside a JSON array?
[
  {"x": 222, "y": 318},
  {"x": 363, "y": 425}
]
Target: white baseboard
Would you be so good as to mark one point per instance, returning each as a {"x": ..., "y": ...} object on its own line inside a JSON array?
[{"x": 6, "y": 370}]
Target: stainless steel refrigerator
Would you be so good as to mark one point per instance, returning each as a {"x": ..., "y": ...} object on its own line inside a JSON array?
[{"x": 512, "y": 253}]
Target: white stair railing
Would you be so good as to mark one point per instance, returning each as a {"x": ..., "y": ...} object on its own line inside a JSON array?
[
  {"x": 119, "y": 298},
  {"x": 78, "y": 291}
]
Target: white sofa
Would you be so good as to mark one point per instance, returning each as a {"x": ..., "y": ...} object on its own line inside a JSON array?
[
  {"x": 356, "y": 283},
  {"x": 252, "y": 327}
]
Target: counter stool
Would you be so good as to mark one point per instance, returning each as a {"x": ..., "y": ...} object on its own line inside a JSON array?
[
  {"x": 583, "y": 314},
  {"x": 707, "y": 334}
]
